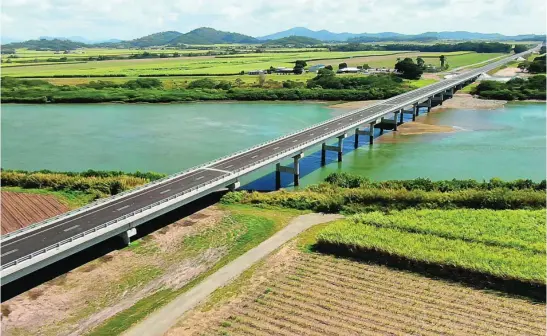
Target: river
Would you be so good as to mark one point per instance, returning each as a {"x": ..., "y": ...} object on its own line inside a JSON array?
[{"x": 508, "y": 142}]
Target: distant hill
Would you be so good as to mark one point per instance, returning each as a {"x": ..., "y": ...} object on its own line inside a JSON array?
[
  {"x": 325, "y": 35},
  {"x": 298, "y": 41},
  {"x": 55, "y": 44},
  {"x": 78, "y": 39},
  {"x": 206, "y": 35},
  {"x": 157, "y": 39}
]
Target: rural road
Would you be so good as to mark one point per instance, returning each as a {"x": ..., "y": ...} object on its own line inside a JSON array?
[{"x": 160, "y": 321}]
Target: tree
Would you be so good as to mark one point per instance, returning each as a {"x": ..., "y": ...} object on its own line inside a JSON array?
[
  {"x": 442, "y": 58},
  {"x": 366, "y": 66},
  {"x": 238, "y": 82},
  {"x": 523, "y": 65},
  {"x": 329, "y": 67},
  {"x": 176, "y": 54},
  {"x": 520, "y": 48},
  {"x": 301, "y": 64},
  {"x": 421, "y": 63},
  {"x": 204, "y": 83},
  {"x": 542, "y": 50},
  {"x": 409, "y": 69},
  {"x": 298, "y": 70},
  {"x": 342, "y": 65}
]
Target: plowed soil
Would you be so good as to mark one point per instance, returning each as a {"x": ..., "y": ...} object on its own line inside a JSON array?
[
  {"x": 316, "y": 294},
  {"x": 22, "y": 209}
]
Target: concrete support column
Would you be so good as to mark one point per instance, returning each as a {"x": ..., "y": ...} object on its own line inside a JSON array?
[
  {"x": 371, "y": 133},
  {"x": 126, "y": 236},
  {"x": 401, "y": 115},
  {"x": 295, "y": 170},
  {"x": 338, "y": 148},
  {"x": 395, "y": 115},
  {"x": 358, "y": 132},
  {"x": 416, "y": 111}
]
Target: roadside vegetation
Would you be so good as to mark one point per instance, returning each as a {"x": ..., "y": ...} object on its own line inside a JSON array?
[{"x": 349, "y": 194}]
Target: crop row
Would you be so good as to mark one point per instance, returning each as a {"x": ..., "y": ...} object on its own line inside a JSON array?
[{"x": 321, "y": 295}]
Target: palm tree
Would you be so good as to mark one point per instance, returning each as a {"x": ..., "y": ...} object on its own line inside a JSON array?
[{"x": 442, "y": 58}]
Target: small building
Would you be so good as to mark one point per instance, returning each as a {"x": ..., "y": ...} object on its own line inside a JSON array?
[
  {"x": 349, "y": 70},
  {"x": 284, "y": 70},
  {"x": 520, "y": 59},
  {"x": 255, "y": 72}
]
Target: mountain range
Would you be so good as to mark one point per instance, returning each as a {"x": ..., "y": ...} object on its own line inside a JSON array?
[{"x": 298, "y": 35}]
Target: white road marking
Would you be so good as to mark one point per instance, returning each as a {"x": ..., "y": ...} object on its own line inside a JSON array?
[
  {"x": 70, "y": 228},
  {"x": 199, "y": 178},
  {"x": 311, "y": 134},
  {"x": 276, "y": 148},
  {"x": 10, "y": 252},
  {"x": 252, "y": 157},
  {"x": 218, "y": 170},
  {"x": 228, "y": 166},
  {"x": 163, "y": 192},
  {"x": 99, "y": 209},
  {"x": 295, "y": 140},
  {"x": 124, "y": 207},
  {"x": 326, "y": 128}
]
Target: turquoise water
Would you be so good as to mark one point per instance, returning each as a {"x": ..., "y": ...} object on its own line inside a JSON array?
[{"x": 508, "y": 142}]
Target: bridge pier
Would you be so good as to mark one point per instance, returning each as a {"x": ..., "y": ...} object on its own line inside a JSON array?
[
  {"x": 448, "y": 93},
  {"x": 338, "y": 148},
  {"x": 370, "y": 133},
  {"x": 392, "y": 122},
  {"x": 126, "y": 236},
  {"x": 425, "y": 104},
  {"x": 439, "y": 97},
  {"x": 295, "y": 170},
  {"x": 414, "y": 111}
]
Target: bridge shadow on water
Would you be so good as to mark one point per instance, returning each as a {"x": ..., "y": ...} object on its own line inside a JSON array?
[
  {"x": 59, "y": 269},
  {"x": 312, "y": 161}
]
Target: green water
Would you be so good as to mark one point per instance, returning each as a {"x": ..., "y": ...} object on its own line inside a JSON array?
[{"x": 508, "y": 142}]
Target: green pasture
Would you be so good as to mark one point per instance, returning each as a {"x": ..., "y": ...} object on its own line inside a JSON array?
[{"x": 234, "y": 64}]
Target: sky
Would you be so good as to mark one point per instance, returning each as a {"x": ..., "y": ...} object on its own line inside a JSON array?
[{"x": 127, "y": 19}]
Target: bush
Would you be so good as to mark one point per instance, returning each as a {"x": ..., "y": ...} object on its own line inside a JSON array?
[{"x": 204, "y": 83}]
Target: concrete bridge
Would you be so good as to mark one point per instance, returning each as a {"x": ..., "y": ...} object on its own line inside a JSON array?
[{"x": 44, "y": 243}]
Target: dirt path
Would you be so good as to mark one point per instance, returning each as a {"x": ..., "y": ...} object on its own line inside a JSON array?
[{"x": 160, "y": 321}]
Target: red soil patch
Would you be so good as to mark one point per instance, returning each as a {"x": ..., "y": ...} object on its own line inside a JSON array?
[{"x": 21, "y": 209}]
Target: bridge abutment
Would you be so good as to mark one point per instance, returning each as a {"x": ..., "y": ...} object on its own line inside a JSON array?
[
  {"x": 126, "y": 236},
  {"x": 295, "y": 170}
]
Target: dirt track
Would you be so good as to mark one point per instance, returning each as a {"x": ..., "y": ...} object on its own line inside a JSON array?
[{"x": 22, "y": 209}]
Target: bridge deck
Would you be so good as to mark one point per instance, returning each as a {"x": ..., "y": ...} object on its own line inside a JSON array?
[{"x": 27, "y": 242}]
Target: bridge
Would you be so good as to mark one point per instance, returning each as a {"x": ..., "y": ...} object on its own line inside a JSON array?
[{"x": 41, "y": 244}]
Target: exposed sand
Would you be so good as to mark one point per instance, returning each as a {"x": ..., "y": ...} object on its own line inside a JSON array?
[
  {"x": 353, "y": 105},
  {"x": 509, "y": 72},
  {"x": 467, "y": 101}
]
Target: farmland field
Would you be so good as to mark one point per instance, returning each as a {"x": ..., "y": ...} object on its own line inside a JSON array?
[
  {"x": 506, "y": 244},
  {"x": 21, "y": 209},
  {"x": 234, "y": 64},
  {"x": 298, "y": 293}
]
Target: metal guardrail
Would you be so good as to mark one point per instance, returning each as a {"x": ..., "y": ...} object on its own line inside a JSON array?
[{"x": 277, "y": 154}]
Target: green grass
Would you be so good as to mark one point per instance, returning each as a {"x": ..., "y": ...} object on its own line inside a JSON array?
[
  {"x": 436, "y": 239},
  {"x": 254, "y": 226},
  {"x": 420, "y": 82},
  {"x": 518, "y": 229},
  {"x": 73, "y": 199}
]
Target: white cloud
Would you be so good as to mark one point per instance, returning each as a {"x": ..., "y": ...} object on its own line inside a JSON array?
[{"x": 133, "y": 18}]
